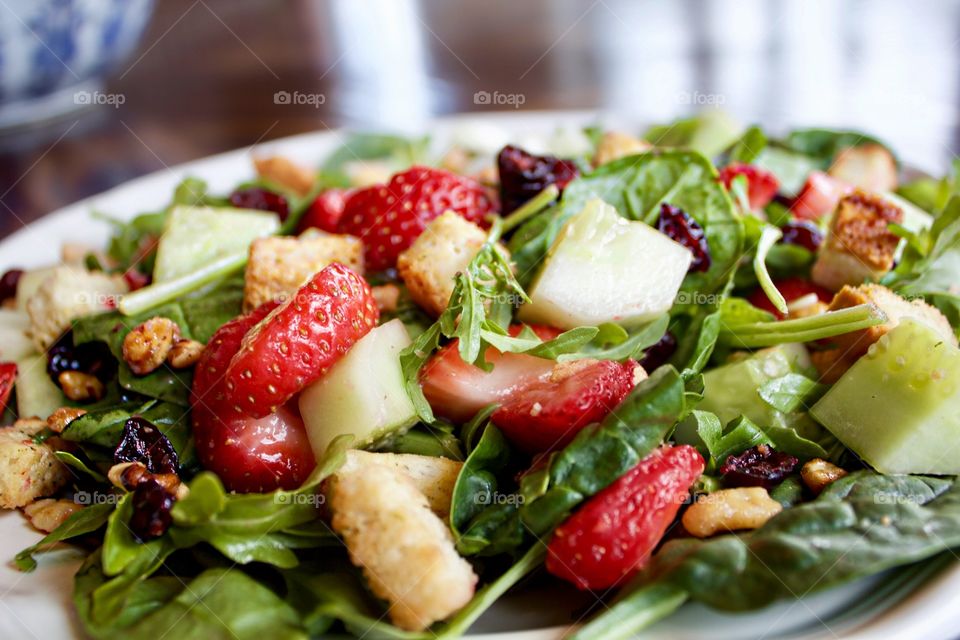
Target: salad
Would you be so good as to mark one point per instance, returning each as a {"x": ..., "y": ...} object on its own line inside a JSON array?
[{"x": 694, "y": 364}]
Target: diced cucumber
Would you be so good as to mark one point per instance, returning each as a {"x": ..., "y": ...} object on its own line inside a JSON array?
[
  {"x": 37, "y": 395},
  {"x": 14, "y": 343},
  {"x": 603, "y": 268},
  {"x": 362, "y": 394},
  {"x": 732, "y": 390},
  {"x": 898, "y": 407},
  {"x": 197, "y": 236}
]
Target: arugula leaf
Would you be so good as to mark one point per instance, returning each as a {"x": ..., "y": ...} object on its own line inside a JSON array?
[
  {"x": 825, "y": 325},
  {"x": 613, "y": 342},
  {"x": 718, "y": 442},
  {"x": 82, "y": 522}
]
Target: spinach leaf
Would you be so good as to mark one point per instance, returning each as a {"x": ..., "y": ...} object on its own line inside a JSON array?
[
  {"x": 791, "y": 392},
  {"x": 425, "y": 440},
  {"x": 824, "y": 144},
  {"x": 633, "y": 613},
  {"x": 790, "y": 167},
  {"x": 87, "y": 520},
  {"x": 709, "y": 132},
  {"x": 208, "y": 312},
  {"x": 749, "y": 146},
  {"x": 868, "y": 524}
]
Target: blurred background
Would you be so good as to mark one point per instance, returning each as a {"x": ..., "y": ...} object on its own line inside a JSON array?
[{"x": 96, "y": 92}]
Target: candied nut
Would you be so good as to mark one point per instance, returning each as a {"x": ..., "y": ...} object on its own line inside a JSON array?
[
  {"x": 730, "y": 510},
  {"x": 817, "y": 474},
  {"x": 48, "y": 514},
  {"x": 387, "y": 296},
  {"x": 128, "y": 475},
  {"x": 184, "y": 354},
  {"x": 59, "y": 419},
  {"x": 81, "y": 387},
  {"x": 148, "y": 344}
]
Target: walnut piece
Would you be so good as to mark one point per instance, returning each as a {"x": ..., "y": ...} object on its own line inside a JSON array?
[{"x": 148, "y": 344}]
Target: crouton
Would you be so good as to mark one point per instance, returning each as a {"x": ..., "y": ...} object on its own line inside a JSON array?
[
  {"x": 615, "y": 145},
  {"x": 859, "y": 246},
  {"x": 406, "y": 551},
  {"x": 866, "y": 166},
  {"x": 851, "y": 346},
  {"x": 28, "y": 470},
  {"x": 434, "y": 477},
  {"x": 286, "y": 173},
  {"x": 278, "y": 266},
  {"x": 66, "y": 294},
  {"x": 428, "y": 267}
]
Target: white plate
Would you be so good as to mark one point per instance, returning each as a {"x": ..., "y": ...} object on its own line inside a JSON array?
[{"x": 914, "y": 603}]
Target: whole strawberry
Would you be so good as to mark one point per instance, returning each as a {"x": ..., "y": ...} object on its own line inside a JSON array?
[
  {"x": 612, "y": 536},
  {"x": 300, "y": 340},
  {"x": 388, "y": 218}
]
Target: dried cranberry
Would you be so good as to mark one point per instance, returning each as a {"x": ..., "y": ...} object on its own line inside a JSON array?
[
  {"x": 151, "y": 510},
  {"x": 759, "y": 466},
  {"x": 90, "y": 357},
  {"x": 143, "y": 442},
  {"x": 659, "y": 353},
  {"x": 679, "y": 226},
  {"x": 524, "y": 175},
  {"x": 262, "y": 199},
  {"x": 136, "y": 279},
  {"x": 802, "y": 233},
  {"x": 8, "y": 284}
]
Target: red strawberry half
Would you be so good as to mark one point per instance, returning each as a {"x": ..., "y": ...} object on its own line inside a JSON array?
[
  {"x": 612, "y": 536},
  {"x": 248, "y": 454},
  {"x": 548, "y": 412},
  {"x": 457, "y": 390},
  {"x": 388, "y": 218},
  {"x": 300, "y": 340},
  {"x": 761, "y": 184},
  {"x": 325, "y": 212},
  {"x": 819, "y": 196}
]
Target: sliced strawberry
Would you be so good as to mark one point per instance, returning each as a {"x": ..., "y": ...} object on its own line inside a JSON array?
[
  {"x": 761, "y": 184},
  {"x": 8, "y": 376},
  {"x": 612, "y": 536},
  {"x": 547, "y": 413},
  {"x": 457, "y": 390},
  {"x": 325, "y": 212},
  {"x": 819, "y": 196},
  {"x": 248, "y": 454},
  {"x": 791, "y": 289},
  {"x": 390, "y": 217},
  {"x": 300, "y": 340}
]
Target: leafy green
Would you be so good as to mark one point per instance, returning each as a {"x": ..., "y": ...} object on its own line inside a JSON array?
[
  {"x": 824, "y": 144},
  {"x": 866, "y": 524},
  {"x": 425, "y": 440},
  {"x": 790, "y": 168},
  {"x": 768, "y": 238},
  {"x": 709, "y": 132},
  {"x": 82, "y": 522},
  {"x": 634, "y": 612},
  {"x": 156, "y": 294},
  {"x": 749, "y": 146},
  {"x": 207, "y": 313},
  {"x": 824, "y": 325},
  {"x": 719, "y": 442},
  {"x": 396, "y": 152},
  {"x": 613, "y": 342},
  {"x": 791, "y": 392}
]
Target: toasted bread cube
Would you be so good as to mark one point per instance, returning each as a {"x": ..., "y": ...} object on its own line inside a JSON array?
[
  {"x": 615, "y": 145},
  {"x": 859, "y": 246},
  {"x": 850, "y": 346},
  {"x": 279, "y": 265},
  {"x": 28, "y": 470},
  {"x": 286, "y": 173},
  {"x": 434, "y": 477},
  {"x": 406, "y": 551},
  {"x": 429, "y": 266},
  {"x": 66, "y": 294},
  {"x": 866, "y": 166}
]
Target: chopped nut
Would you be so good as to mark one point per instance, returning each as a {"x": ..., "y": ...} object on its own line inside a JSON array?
[
  {"x": 184, "y": 354},
  {"x": 817, "y": 474},
  {"x": 59, "y": 419},
  {"x": 127, "y": 475},
  {"x": 81, "y": 387},
  {"x": 730, "y": 510},
  {"x": 48, "y": 514},
  {"x": 285, "y": 173},
  {"x": 148, "y": 344},
  {"x": 387, "y": 296}
]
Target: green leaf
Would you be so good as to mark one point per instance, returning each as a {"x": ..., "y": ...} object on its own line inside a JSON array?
[
  {"x": 870, "y": 523},
  {"x": 396, "y": 152},
  {"x": 154, "y": 295},
  {"x": 824, "y": 144},
  {"x": 768, "y": 239},
  {"x": 791, "y": 392},
  {"x": 710, "y": 132},
  {"x": 76, "y": 463},
  {"x": 82, "y": 522},
  {"x": 749, "y": 146},
  {"x": 612, "y": 342},
  {"x": 824, "y": 325},
  {"x": 633, "y": 612}
]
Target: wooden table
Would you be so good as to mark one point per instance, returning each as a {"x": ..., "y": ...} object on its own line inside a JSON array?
[{"x": 206, "y": 73}]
